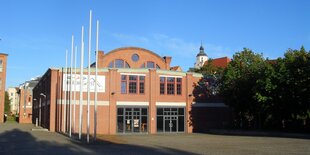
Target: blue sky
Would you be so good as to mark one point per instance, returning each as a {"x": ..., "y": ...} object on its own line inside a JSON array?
[{"x": 36, "y": 33}]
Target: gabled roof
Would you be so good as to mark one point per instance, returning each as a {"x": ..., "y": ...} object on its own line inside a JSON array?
[
  {"x": 220, "y": 62},
  {"x": 176, "y": 68}
]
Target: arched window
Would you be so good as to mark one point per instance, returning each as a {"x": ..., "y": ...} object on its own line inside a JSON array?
[
  {"x": 118, "y": 63},
  {"x": 149, "y": 64}
]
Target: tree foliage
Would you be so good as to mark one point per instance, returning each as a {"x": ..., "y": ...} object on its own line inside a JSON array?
[
  {"x": 207, "y": 89},
  {"x": 7, "y": 102},
  {"x": 268, "y": 93}
]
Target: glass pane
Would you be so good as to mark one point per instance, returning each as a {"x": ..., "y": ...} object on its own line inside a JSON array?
[
  {"x": 144, "y": 124},
  {"x": 120, "y": 111},
  {"x": 136, "y": 124},
  {"x": 144, "y": 111},
  {"x": 159, "y": 111},
  {"x": 179, "y": 89},
  {"x": 135, "y": 57},
  {"x": 179, "y": 79},
  {"x": 124, "y": 77},
  {"x": 162, "y": 79},
  {"x": 133, "y": 77},
  {"x": 128, "y": 123},
  {"x": 119, "y": 63},
  {"x": 120, "y": 124},
  {"x": 141, "y": 88},
  {"x": 111, "y": 64},
  {"x": 127, "y": 65},
  {"x": 167, "y": 124},
  {"x": 141, "y": 78},
  {"x": 124, "y": 87},
  {"x": 181, "y": 124},
  {"x": 150, "y": 64},
  {"x": 170, "y": 88},
  {"x": 160, "y": 127},
  {"x": 170, "y": 79},
  {"x": 133, "y": 87},
  {"x": 181, "y": 111}
]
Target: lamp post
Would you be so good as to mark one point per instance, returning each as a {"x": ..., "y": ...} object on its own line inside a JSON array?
[
  {"x": 35, "y": 109},
  {"x": 40, "y": 106}
]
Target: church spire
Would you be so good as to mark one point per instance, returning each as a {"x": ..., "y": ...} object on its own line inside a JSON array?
[{"x": 201, "y": 51}]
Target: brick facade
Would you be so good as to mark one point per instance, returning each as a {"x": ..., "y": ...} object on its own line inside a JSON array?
[
  {"x": 3, "y": 66},
  {"x": 121, "y": 93}
]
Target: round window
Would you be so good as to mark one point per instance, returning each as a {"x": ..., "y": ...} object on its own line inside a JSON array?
[{"x": 135, "y": 57}]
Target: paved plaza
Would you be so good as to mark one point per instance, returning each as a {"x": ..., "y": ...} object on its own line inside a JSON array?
[{"x": 20, "y": 139}]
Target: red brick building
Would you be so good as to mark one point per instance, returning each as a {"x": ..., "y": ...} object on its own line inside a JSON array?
[
  {"x": 137, "y": 93},
  {"x": 26, "y": 100},
  {"x": 3, "y": 64}
]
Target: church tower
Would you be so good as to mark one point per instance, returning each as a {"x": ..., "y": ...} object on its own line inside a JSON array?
[{"x": 201, "y": 58}]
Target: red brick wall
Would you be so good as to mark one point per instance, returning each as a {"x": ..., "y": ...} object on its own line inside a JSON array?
[
  {"x": 3, "y": 57},
  {"x": 106, "y": 114}
]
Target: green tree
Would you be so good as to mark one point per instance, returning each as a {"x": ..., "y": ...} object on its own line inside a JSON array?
[
  {"x": 292, "y": 99},
  {"x": 241, "y": 84},
  {"x": 207, "y": 89},
  {"x": 7, "y": 107}
]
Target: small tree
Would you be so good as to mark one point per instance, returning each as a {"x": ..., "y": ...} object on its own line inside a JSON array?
[{"x": 7, "y": 107}]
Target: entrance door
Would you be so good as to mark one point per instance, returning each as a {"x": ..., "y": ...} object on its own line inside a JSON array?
[
  {"x": 171, "y": 123},
  {"x": 170, "y": 120}
]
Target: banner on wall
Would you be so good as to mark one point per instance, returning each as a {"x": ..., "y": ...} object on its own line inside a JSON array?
[{"x": 76, "y": 77}]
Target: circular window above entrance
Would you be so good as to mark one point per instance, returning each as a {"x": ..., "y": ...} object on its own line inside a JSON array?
[{"x": 135, "y": 57}]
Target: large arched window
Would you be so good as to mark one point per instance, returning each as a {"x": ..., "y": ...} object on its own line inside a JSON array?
[
  {"x": 118, "y": 63},
  {"x": 150, "y": 64}
]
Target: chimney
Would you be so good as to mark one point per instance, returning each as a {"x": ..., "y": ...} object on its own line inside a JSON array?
[
  {"x": 167, "y": 62},
  {"x": 100, "y": 57}
]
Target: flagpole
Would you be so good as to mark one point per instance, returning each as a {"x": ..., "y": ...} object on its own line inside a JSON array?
[
  {"x": 65, "y": 97},
  {"x": 88, "y": 77},
  {"x": 70, "y": 108},
  {"x": 74, "y": 97},
  {"x": 81, "y": 84},
  {"x": 96, "y": 75}
]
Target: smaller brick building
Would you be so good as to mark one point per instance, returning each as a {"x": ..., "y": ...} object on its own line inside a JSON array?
[{"x": 26, "y": 100}]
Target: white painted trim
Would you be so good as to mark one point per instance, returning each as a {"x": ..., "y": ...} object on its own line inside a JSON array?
[
  {"x": 28, "y": 106},
  {"x": 210, "y": 105},
  {"x": 99, "y": 103},
  {"x": 171, "y": 104},
  {"x": 130, "y": 103},
  {"x": 132, "y": 74},
  {"x": 171, "y": 76}
]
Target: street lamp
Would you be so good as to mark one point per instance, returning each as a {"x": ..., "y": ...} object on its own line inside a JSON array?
[
  {"x": 40, "y": 106},
  {"x": 34, "y": 109}
]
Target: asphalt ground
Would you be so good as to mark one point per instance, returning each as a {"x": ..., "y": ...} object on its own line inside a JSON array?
[{"x": 20, "y": 139}]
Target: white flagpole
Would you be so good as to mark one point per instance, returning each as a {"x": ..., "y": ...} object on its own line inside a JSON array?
[
  {"x": 96, "y": 75},
  {"x": 74, "y": 97},
  {"x": 88, "y": 77},
  {"x": 70, "y": 101},
  {"x": 65, "y": 97},
  {"x": 81, "y": 83}
]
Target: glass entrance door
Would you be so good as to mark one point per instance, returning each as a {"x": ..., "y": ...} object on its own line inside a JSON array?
[
  {"x": 132, "y": 120},
  {"x": 170, "y": 120},
  {"x": 171, "y": 123}
]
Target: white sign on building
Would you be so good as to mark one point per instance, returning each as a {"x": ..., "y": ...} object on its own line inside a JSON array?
[{"x": 76, "y": 79}]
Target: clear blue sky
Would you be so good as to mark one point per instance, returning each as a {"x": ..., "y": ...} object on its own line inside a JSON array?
[{"x": 36, "y": 33}]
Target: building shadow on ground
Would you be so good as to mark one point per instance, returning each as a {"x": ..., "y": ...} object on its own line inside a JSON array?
[
  {"x": 16, "y": 141},
  {"x": 258, "y": 133}
]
